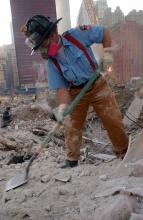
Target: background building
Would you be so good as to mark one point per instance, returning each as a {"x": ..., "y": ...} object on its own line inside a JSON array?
[
  {"x": 101, "y": 6},
  {"x": 8, "y": 68},
  {"x": 28, "y": 66},
  {"x": 63, "y": 11},
  {"x": 135, "y": 16},
  {"x": 128, "y": 53},
  {"x": 2, "y": 73}
]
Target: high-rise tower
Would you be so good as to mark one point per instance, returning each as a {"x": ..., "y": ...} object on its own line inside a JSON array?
[
  {"x": 63, "y": 11},
  {"x": 101, "y": 6},
  {"x": 22, "y": 10}
]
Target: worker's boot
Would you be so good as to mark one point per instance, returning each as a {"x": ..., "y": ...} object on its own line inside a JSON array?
[
  {"x": 121, "y": 155},
  {"x": 69, "y": 164}
]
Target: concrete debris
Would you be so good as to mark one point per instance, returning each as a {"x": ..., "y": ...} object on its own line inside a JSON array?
[
  {"x": 121, "y": 190},
  {"x": 137, "y": 168},
  {"x": 39, "y": 131},
  {"x": 103, "y": 157},
  {"x": 135, "y": 216},
  {"x": 133, "y": 111},
  {"x": 109, "y": 192},
  {"x": 45, "y": 179},
  {"x": 63, "y": 178},
  {"x": 119, "y": 209},
  {"x": 103, "y": 177},
  {"x": 93, "y": 190}
]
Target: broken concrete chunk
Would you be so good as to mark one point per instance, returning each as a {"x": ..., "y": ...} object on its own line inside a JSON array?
[
  {"x": 16, "y": 127},
  {"x": 104, "y": 157},
  {"x": 63, "y": 178},
  {"x": 48, "y": 208},
  {"x": 62, "y": 190},
  {"x": 136, "y": 191},
  {"x": 137, "y": 169},
  {"x": 121, "y": 190},
  {"x": 86, "y": 172},
  {"x": 120, "y": 208},
  {"x": 39, "y": 132},
  {"x": 45, "y": 179},
  {"x": 109, "y": 192},
  {"x": 103, "y": 177},
  {"x": 135, "y": 216}
]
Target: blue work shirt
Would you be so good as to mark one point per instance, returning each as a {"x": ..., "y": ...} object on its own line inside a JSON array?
[{"x": 75, "y": 65}]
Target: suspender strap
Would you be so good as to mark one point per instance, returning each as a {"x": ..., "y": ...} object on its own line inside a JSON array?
[
  {"x": 56, "y": 64},
  {"x": 58, "y": 67},
  {"x": 81, "y": 47}
]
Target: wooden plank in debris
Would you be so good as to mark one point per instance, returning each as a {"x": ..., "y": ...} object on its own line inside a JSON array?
[
  {"x": 133, "y": 111},
  {"x": 136, "y": 191},
  {"x": 63, "y": 178},
  {"x": 95, "y": 140},
  {"x": 104, "y": 157}
]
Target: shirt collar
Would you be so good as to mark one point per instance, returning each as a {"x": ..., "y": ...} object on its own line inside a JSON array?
[{"x": 65, "y": 41}]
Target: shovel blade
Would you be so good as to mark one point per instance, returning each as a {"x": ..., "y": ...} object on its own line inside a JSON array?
[{"x": 16, "y": 181}]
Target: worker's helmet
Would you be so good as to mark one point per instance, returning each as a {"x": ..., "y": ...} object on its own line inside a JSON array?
[{"x": 39, "y": 27}]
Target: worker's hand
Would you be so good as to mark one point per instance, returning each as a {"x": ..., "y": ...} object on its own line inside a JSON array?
[{"x": 60, "y": 111}]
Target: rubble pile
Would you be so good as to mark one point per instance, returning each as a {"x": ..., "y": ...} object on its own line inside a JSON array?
[
  {"x": 102, "y": 187},
  {"x": 125, "y": 93}
]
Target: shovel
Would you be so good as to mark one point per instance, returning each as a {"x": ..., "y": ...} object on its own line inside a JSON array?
[{"x": 22, "y": 178}]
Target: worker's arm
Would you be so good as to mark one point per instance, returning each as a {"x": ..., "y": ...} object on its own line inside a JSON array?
[
  {"x": 108, "y": 51},
  {"x": 63, "y": 96},
  {"x": 106, "y": 38},
  {"x": 63, "y": 101}
]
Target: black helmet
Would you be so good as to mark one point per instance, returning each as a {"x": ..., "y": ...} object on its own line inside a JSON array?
[{"x": 42, "y": 26}]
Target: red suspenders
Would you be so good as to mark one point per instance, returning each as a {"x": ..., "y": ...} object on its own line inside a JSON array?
[
  {"x": 56, "y": 64},
  {"x": 80, "y": 46}
]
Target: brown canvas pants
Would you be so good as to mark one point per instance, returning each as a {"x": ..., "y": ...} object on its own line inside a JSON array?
[{"x": 101, "y": 97}]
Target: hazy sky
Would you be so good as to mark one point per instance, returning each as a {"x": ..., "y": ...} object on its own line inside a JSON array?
[
  {"x": 5, "y": 14},
  {"x": 125, "y": 5}
]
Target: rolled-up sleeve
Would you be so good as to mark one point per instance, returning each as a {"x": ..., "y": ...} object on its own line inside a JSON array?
[
  {"x": 55, "y": 78},
  {"x": 93, "y": 34}
]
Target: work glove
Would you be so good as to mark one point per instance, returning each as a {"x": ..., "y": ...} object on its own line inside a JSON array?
[{"x": 59, "y": 111}]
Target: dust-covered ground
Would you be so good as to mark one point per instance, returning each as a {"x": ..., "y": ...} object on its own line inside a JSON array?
[{"x": 96, "y": 189}]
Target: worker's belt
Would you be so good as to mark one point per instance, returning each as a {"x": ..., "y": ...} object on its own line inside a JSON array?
[{"x": 83, "y": 84}]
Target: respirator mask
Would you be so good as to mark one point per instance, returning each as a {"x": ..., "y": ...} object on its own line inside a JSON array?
[{"x": 35, "y": 39}]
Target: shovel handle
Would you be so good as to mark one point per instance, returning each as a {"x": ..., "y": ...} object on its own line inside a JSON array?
[
  {"x": 50, "y": 135},
  {"x": 71, "y": 107},
  {"x": 44, "y": 144},
  {"x": 81, "y": 93},
  {"x": 58, "y": 124},
  {"x": 29, "y": 164}
]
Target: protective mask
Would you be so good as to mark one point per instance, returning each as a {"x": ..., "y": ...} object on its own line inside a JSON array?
[
  {"x": 52, "y": 49},
  {"x": 33, "y": 40},
  {"x": 29, "y": 43}
]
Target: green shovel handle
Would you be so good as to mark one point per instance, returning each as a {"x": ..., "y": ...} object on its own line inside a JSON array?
[
  {"x": 71, "y": 107},
  {"x": 81, "y": 93}
]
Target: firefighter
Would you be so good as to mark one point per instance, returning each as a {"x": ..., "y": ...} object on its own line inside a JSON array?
[{"x": 71, "y": 63}]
